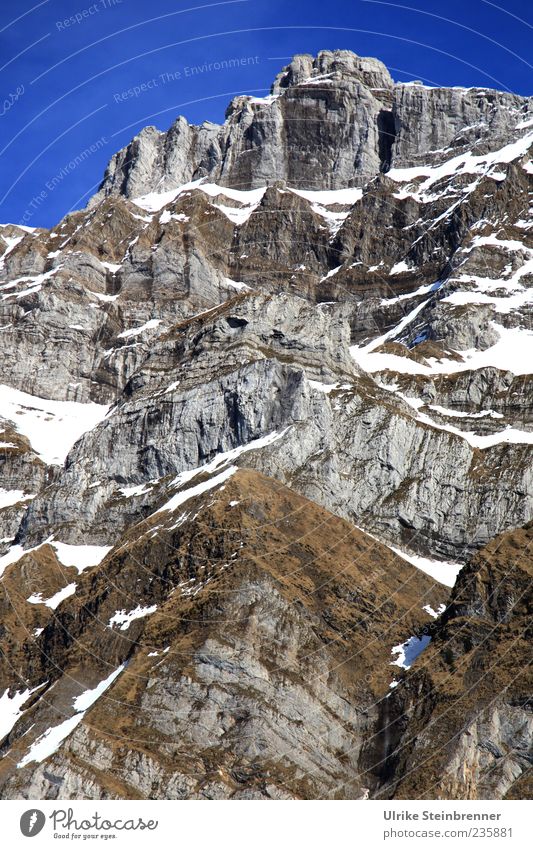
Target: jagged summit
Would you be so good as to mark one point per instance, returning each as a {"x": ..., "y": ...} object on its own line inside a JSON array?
[
  {"x": 332, "y": 65},
  {"x": 331, "y": 121}
]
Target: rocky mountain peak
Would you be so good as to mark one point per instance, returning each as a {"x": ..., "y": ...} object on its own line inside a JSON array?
[
  {"x": 334, "y": 65},
  {"x": 263, "y": 404},
  {"x": 330, "y": 121}
]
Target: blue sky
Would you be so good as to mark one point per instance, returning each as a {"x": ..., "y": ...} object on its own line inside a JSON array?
[{"x": 66, "y": 69}]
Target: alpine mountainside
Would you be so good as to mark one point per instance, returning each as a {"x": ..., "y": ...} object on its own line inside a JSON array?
[{"x": 266, "y": 452}]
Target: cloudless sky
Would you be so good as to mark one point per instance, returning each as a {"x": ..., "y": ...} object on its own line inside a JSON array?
[{"x": 66, "y": 67}]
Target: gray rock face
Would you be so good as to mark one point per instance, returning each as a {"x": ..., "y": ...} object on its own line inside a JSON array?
[
  {"x": 230, "y": 690},
  {"x": 23, "y": 474},
  {"x": 432, "y": 119},
  {"x": 493, "y": 752},
  {"x": 483, "y": 633},
  {"x": 237, "y": 377}
]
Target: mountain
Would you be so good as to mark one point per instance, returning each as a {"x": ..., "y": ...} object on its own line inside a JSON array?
[{"x": 267, "y": 439}]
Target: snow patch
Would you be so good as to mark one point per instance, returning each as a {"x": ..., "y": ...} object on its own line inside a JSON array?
[
  {"x": 270, "y": 98},
  {"x": 106, "y": 299},
  {"x": 222, "y": 459},
  {"x": 155, "y": 201},
  {"x": 200, "y": 488},
  {"x": 409, "y": 651},
  {"x": 399, "y": 268},
  {"x": 124, "y": 619},
  {"x": 331, "y": 273},
  {"x": 434, "y": 613},
  {"x": 48, "y": 743},
  {"x": 459, "y": 414},
  {"x": 236, "y": 284},
  {"x": 80, "y": 556},
  {"x": 10, "y": 709},
  {"x": 52, "y": 427},
  {"x": 137, "y": 331},
  {"x": 89, "y": 697},
  {"x": 8, "y": 497},
  {"x": 237, "y": 215},
  {"x": 512, "y": 352},
  {"x": 134, "y": 491},
  {"x": 172, "y": 387},
  {"x": 328, "y": 197},
  {"x": 55, "y": 600},
  {"x": 466, "y": 163},
  {"x": 510, "y": 435},
  {"x": 36, "y": 283},
  {"x": 111, "y": 266},
  {"x": 328, "y": 387},
  {"x": 440, "y": 570},
  {"x": 168, "y": 216}
]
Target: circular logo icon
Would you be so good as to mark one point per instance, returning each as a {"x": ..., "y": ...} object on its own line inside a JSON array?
[{"x": 32, "y": 822}]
